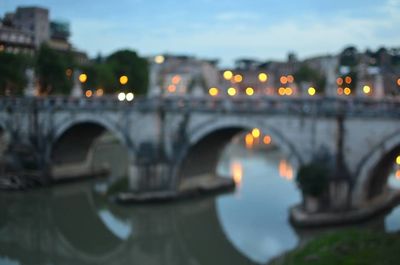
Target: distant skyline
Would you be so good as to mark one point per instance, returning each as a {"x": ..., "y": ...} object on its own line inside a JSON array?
[{"x": 225, "y": 30}]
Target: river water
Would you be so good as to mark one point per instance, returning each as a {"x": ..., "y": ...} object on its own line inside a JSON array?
[{"x": 72, "y": 224}]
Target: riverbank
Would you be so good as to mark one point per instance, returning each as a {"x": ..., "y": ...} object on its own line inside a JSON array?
[{"x": 355, "y": 246}]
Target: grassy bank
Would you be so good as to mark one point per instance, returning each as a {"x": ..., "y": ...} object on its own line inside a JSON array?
[{"x": 347, "y": 247}]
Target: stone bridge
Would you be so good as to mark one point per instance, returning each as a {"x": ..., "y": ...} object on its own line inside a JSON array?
[{"x": 168, "y": 141}]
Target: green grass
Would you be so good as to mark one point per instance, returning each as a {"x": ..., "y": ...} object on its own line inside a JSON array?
[{"x": 347, "y": 247}]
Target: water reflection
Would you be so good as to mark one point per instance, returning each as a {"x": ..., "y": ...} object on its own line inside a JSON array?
[{"x": 70, "y": 224}]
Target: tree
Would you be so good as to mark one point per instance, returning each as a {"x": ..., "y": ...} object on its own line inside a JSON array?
[
  {"x": 51, "y": 69},
  {"x": 126, "y": 62},
  {"x": 349, "y": 56},
  {"x": 307, "y": 74},
  {"x": 12, "y": 73}
]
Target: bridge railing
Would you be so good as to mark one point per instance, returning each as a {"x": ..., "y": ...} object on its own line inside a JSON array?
[{"x": 240, "y": 104}]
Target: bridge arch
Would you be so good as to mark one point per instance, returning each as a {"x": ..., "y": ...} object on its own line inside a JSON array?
[
  {"x": 211, "y": 137},
  {"x": 374, "y": 169},
  {"x": 73, "y": 140}
]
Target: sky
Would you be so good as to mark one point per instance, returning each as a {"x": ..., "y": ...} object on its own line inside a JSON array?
[{"x": 225, "y": 30}]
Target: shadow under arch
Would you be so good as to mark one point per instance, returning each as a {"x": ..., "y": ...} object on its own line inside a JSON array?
[
  {"x": 373, "y": 170},
  {"x": 206, "y": 142},
  {"x": 71, "y": 150}
]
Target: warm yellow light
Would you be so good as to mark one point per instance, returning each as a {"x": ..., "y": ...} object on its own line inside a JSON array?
[
  {"x": 171, "y": 88},
  {"x": 129, "y": 96},
  {"x": 88, "y": 93},
  {"x": 237, "y": 172},
  {"x": 99, "y": 92},
  {"x": 288, "y": 91},
  {"x": 228, "y": 75},
  {"x": 159, "y": 59},
  {"x": 176, "y": 79},
  {"x": 285, "y": 170},
  {"x": 347, "y": 91},
  {"x": 263, "y": 77},
  {"x": 367, "y": 89},
  {"x": 256, "y": 132},
  {"x": 123, "y": 80},
  {"x": 82, "y": 78},
  {"x": 249, "y": 91},
  {"x": 283, "y": 80},
  {"x": 121, "y": 96},
  {"x": 238, "y": 78},
  {"x": 267, "y": 139},
  {"x": 249, "y": 140},
  {"x": 340, "y": 91},
  {"x": 213, "y": 91},
  {"x": 398, "y": 160},
  {"x": 348, "y": 80},
  {"x": 290, "y": 78},
  {"x": 311, "y": 91},
  {"x": 281, "y": 91},
  {"x": 232, "y": 91},
  {"x": 397, "y": 174},
  {"x": 339, "y": 81}
]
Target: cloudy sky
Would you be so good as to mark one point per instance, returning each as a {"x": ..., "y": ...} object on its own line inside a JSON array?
[{"x": 260, "y": 29}]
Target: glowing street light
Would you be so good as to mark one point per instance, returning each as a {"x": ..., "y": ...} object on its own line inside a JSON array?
[
  {"x": 228, "y": 75},
  {"x": 238, "y": 78},
  {"x": 121, "y": 96},
  {"x": 232, "y": 91},
  {"x": 256, "y": 132},
  {"x": 88, "y": 93},
  {"x": 366, "y": 89},
  {"x": 347, "y": 91},
  {"x": 398, "y": 160},
  {"x": 159, "y": 59},
  {"x": 249, "y": 91},
  {"x": 82, "y": 78},
  {"x": 129, "y": 96},
  {"x": 123, "y": 80},
  {"x": 213, "y": 91},
  {"x": 311, "y": 91},
  {"x": 263, "y": 77}
]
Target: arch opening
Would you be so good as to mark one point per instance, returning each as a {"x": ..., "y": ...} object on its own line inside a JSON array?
[
  {"x": 88, "y": 149},
  {"x": 385, "y": 175}
]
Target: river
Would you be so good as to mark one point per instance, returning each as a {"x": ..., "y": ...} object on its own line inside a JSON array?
[{"x": 72, "y": 224}]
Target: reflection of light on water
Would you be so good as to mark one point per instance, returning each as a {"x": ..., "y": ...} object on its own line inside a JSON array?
[
  {"x": 237, "y": 172},
  {"x": 118, "y": 227},
  {"x": 397, "y": 175},
  {"x": 285, "y": 170}
]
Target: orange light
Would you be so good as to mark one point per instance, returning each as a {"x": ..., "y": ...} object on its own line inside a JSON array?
[
  {"x": 249, "y": 91},
  {"x": 249, "y": 140},
  {"x": 398, "y": 82},
  {"x": 288, "y": 91},
  {"x": 256, "y": 132},
  {"x": 339, "y": 81},
  {"x": 348, "y": 80},
  {"x": 171, "y": 88},
  {"x": 347, "y": 91},
  {"x": 123, "y": 80},
  {"x": 283, "y": 80},
  {"x": 285, "y": 170},
  {"x": 398, "y": 174},
  {"x": 290, "y": 78},
  {"x": 176, "y": 79},
  {"x": 281, "y": 91},
  {"x": 68, "y": 72},
  {"x": 228, "y": 75},
  {"x": 267, "y": 139},
  {"x": 340, "y": 91},
  {"x": 237, "y": 172},
  {"x": 88, "y": 93},
  {"x": 232, "y": 91},
  {"x": 213, "y": 91},
  {"x": 238, "y": 78},
  {"x": 263, "y": 77}
]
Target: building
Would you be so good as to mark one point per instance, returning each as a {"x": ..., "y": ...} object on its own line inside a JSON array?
[
  {"x": 16, "y": 41},
  {"x": 174, "y": 75}
]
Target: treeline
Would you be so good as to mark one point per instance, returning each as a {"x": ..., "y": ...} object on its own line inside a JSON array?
[{"x": 55, "y": 72}]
